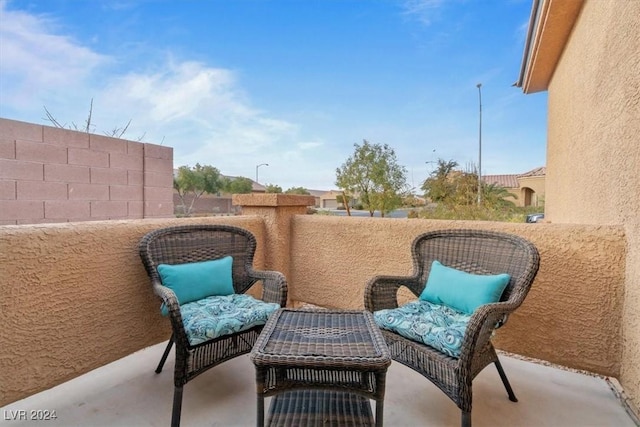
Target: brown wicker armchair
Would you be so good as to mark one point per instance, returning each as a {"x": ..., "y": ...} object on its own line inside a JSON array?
[
  {"x": 472, "y": 251},
  {"x": 196, "y": 243}
]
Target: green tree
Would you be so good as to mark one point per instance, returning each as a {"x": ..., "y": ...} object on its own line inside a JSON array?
[
  {"x": 465, "y": 185},
  {"x": 192, "y": 183},
  {"x": 450, "y": 186},
  {"x": 238, "y": 185},
  {"x": 298, "y": 190},
  {"x": 456, "y": 194},
  {"x": 272, "y": 188},
  {"x": 374, "y": 175},
  {"x": 439, "y": 186}
]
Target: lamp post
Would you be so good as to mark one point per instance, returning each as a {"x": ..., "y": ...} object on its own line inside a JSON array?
[
  {"x": 479, "y": 86},
  {"x": 257, "y": 166}
]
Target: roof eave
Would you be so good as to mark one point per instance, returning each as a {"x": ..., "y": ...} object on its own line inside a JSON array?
[{"x": 550, "y": 26}]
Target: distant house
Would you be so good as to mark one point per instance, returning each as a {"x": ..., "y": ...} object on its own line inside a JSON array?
[
  {"x": 317, "y": 194},
  {"x": 529, "y": 187},
  {"x": 328, "y": 199}
]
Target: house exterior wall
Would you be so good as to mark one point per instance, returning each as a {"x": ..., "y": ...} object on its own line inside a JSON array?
[
  {"x": 536, "y": 184},
  {"x": 328, "y": 199},
  {"x": 50, "y": 174},
  {"x": 593, "y": 153}
]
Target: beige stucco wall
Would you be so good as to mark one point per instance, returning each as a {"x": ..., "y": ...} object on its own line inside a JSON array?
[
  {"x": 71, "y": 292},
  {"x": 570, "y": 317},
  {"x": 593, "y": 154},
  {"x": 75, "y": 296},
  {"x": 277, "y": 210}
]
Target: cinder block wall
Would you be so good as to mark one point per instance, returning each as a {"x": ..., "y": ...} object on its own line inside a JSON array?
[{"x": 50, "y": 174}]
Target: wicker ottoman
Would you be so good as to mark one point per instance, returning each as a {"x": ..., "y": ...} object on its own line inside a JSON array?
[
  {"x": 322, "y": 366},
  {"x": 319, "y": 408}
]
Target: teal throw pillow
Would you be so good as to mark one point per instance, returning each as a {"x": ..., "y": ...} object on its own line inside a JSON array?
[
  {"x": 461, "y": 290},
  {"x": 197, "y": 280}
]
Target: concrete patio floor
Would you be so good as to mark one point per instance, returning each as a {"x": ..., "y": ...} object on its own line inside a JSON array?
[{"x": 129, "y": 393}]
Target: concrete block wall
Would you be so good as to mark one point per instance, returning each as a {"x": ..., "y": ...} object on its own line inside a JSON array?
[{"x": 50, "y": 174}]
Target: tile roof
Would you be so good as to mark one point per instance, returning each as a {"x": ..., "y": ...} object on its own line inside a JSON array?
[
  {"x": 511, "y": 180},
  {"x": 506, "y": 181},
  {"x": 541, "y": 171}
]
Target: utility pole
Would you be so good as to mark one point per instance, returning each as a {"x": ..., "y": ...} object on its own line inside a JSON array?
[{"x": 479, "y": 86}]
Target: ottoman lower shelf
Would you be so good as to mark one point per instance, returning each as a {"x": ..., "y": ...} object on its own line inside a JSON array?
[{"x": 319, "y": 408}]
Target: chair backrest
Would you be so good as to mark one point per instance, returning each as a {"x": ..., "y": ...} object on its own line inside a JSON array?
[
  {"x": 479, "y": 252},
  {"x": 195, "y": 243}
]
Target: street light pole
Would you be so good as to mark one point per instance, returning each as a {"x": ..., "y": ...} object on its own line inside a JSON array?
[
  {"x": 257, "y": 166},
  {"x": 479, "y": 86}
]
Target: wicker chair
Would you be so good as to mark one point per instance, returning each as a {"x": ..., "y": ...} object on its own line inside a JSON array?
[
  {"x": 473, "y": 251},
  {"x": 195, "y": 243}
]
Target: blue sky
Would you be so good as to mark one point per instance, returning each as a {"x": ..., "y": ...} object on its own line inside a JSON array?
[{"x": 291, "y": 83}]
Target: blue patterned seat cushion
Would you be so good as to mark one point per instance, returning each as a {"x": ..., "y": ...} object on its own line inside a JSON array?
[
  {"x": 437, "y": 326},
  {"x": 215, "y": 316}
]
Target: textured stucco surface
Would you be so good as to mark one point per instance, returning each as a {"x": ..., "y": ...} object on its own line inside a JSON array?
[
  {"x": 76, "y": 296},
  {"x": 277, "y": 211},
  {"x": 570, "y": 317},
  {"x": 73, "y": 291},
  {"x": 593, "y": 154}
]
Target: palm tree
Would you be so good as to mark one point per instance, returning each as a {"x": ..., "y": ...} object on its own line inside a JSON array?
[{"x": 495, "y": 197}]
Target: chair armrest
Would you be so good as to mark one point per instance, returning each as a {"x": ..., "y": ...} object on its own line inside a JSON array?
[
  {"x": 274, "y": 286},
  {"x": 480, "y": 328},
  {"x": 382, "y": 291},
  {"x": 171, "y": 302}
]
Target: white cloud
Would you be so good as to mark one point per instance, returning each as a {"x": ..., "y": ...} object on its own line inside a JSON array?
[
  {"x": 422, "y": 10},
  {"x": 35, "y": 60},
  {"x": 201, "y": 111},
  {"x": 309, "y": 145}
]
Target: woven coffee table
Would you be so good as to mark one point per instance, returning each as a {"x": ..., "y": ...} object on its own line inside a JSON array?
[{"x": 322, "y": 366}]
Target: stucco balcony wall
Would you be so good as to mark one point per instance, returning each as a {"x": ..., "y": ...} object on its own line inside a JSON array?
[
  {"x": 76, "y": 297},
  {"x": 572, "y": 315}
]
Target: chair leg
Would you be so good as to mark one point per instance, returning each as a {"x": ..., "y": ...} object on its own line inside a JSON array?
[
  {"x": 505, "y": 381},
  {"x": 164, "y": 356},
  {"x": 177, "y": 407},
  {"x": 466, "y": 419}
]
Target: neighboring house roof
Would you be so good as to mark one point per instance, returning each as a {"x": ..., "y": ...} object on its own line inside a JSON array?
[
  {"x": 511, "y": 180},
  {"x": 316, "y": 193},
  {"x": 330, "y": 193},
  {"x": 506, "y": 181},
  {"x": 541, "y": 171}
]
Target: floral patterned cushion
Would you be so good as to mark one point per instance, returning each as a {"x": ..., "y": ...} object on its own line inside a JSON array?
[
  {"x": 435, "y": 325},
  {"x": 215, "y": 316}
]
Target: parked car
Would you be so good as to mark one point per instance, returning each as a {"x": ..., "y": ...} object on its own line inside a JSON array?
[{"x": 536, "y": 217}]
